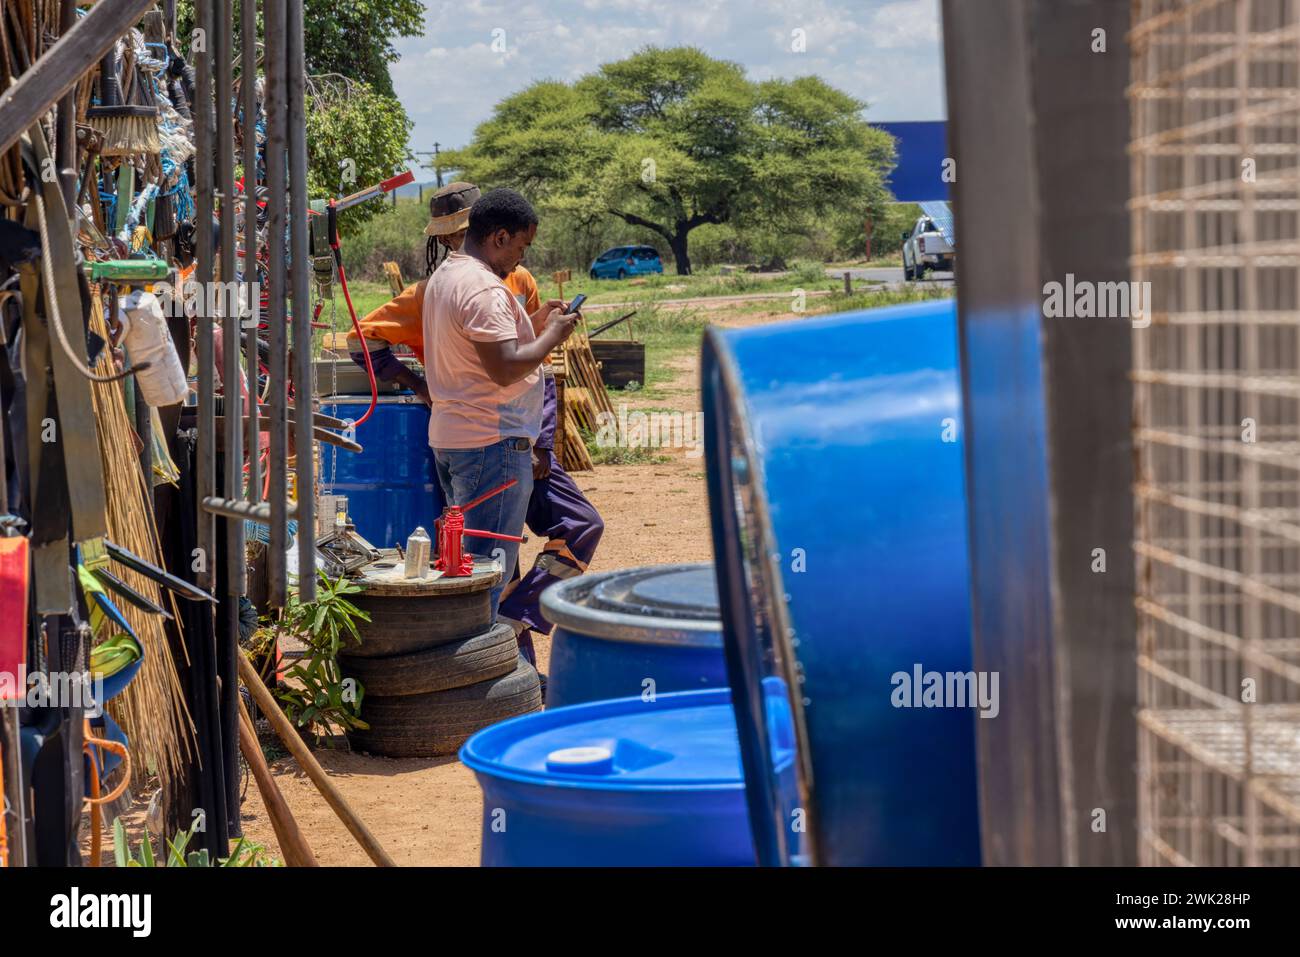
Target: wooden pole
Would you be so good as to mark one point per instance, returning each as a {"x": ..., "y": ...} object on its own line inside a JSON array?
[
  {"x": 289, "y": 735},
  {"x": 297, "y": 852},
  {"x": 848, "y": 283}
]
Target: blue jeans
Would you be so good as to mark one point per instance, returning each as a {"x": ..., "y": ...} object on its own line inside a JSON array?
[{"x": 465, "y": 474}]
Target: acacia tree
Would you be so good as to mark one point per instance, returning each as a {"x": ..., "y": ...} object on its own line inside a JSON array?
[{"x": 671, "y": 139}]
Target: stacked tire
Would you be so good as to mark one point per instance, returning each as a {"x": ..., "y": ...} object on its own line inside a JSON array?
[{"x": 434, "y": 670}]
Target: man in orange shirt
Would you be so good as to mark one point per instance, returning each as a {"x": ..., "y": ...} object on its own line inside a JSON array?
[{"x": 557, "y": 508}]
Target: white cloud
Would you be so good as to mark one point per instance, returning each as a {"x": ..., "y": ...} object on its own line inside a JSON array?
[{"x": 906, "y": 24}]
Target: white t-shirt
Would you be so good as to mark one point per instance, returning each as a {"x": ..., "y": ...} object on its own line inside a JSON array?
[{"x": 466, "y": 302}]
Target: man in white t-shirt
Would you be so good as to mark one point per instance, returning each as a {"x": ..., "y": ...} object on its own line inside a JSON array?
[{"x": 485, "y": 376}]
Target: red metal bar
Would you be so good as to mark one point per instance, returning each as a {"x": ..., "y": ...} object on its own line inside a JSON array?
[
  {"x": 487, "y": 495},
  {"x": 482, "y": 534}
]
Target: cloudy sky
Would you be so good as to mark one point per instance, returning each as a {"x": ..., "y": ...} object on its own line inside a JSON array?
[{"x": 886, "y": 52}]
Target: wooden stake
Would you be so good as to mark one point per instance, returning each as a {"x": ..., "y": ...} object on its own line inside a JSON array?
[
  {"x": 297, "y": 852},
  {"x": 289, "y": 735}
]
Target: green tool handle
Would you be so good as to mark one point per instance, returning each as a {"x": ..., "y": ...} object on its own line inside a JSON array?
[{"x": 128, "y": 270}]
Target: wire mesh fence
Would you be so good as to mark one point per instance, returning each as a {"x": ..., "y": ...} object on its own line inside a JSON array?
[{"x": 1215, "y": 150}]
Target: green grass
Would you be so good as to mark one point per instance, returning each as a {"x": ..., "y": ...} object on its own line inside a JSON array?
[
  {"x": 669, "y": 333},
  {"x": 872, "y": 299},
  {"x": 367, "y": 296},
  {"x": 618, "y": 455},
  {"x": 652, "y": 322},
  {"x": 866, "y": 298},
  {"x": 893, "y": 260},
  {"x": 706, "y": 282}
]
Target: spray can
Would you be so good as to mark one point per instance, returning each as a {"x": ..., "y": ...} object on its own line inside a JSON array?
[{"x": 417, "y": 554}]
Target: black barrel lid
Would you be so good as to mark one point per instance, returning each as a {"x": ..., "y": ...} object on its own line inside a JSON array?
[
  {"x": 673, "y": 592},
  {"x": 656, "y": 605}
]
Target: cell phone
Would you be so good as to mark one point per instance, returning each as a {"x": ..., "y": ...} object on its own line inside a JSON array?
[{"x": 578, "y": 300}]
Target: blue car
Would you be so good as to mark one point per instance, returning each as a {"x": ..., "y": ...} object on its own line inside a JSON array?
[{"x": 623, "y": 261}]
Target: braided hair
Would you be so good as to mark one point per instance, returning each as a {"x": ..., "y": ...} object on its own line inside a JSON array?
[{"x": 435, "y": 254}]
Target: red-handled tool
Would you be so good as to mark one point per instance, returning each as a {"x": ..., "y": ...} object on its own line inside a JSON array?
[
  {"x": 453, "y": 561},
  {"x": 374, "y": 192},
  {"x": 332, "y": 232}
]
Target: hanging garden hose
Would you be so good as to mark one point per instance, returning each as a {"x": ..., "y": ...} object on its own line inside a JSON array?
[
  {"x": 332, "y": 232},
  {"x": 356, "y": 323},
  {"x": 96, "y": 800}
]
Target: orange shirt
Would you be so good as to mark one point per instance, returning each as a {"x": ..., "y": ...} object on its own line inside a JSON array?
[{"x": 398, "y": 323}]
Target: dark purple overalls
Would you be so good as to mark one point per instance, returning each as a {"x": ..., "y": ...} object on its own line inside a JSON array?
[{"x": 560, "y": 511}]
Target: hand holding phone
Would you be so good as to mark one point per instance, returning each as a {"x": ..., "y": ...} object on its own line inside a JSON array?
[{"x": 560, "y": 325}]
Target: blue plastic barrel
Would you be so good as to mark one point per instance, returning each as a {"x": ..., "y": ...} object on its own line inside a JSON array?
[
  {"x": 839, "y": 527},
  {"x": 634, "y": 631},
  {"x": 391, "y": 486},
  {"x": 626, "y": 783}
]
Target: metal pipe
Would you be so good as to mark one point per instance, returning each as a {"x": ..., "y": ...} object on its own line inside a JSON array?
[
  {"x": 304, "y": 383},
  {"x": 259, "y": 512},
  {"x": 273, "y": 17},
  {"x": 65, "y": 149},
  {"x": 248, "y": 131},
  {"x": 206, "y": 447},
  {"x": 232, "y": 319}
]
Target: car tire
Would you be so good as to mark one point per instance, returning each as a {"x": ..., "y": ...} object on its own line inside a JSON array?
[
  {"x": 593, "y": 275},
  {"x": 454, "y": 664},
  {"x": 403, "y": 626},
  {"x": 622, "y": 274},
  {"x": 907, "y": 271},
  {"x": 427, "y": 725}
]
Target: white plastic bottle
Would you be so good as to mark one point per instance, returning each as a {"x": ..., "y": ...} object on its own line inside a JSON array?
[{"x": 417, "y": 554}]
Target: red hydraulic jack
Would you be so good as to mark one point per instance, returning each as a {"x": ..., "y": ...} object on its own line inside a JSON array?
[{"x": 453, "y": 561}]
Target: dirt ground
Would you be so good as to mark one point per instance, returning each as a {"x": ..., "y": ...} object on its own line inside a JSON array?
[{"x": 427, "y": 811}]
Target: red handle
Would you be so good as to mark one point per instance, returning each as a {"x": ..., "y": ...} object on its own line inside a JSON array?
[
  {"x": 479, "y": 533},
  {"x": 401, "y": 179},
  {"x": 487, "y": 495}
]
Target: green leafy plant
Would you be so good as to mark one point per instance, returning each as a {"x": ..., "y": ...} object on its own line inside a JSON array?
[
  {"x": 245, "y": 853},
  {"x": 315, "y": 696},
  {"x": 356, "y": 136}
]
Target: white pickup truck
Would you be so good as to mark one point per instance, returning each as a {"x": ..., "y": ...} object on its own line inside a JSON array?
[{"x": 926, "y": 247}]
